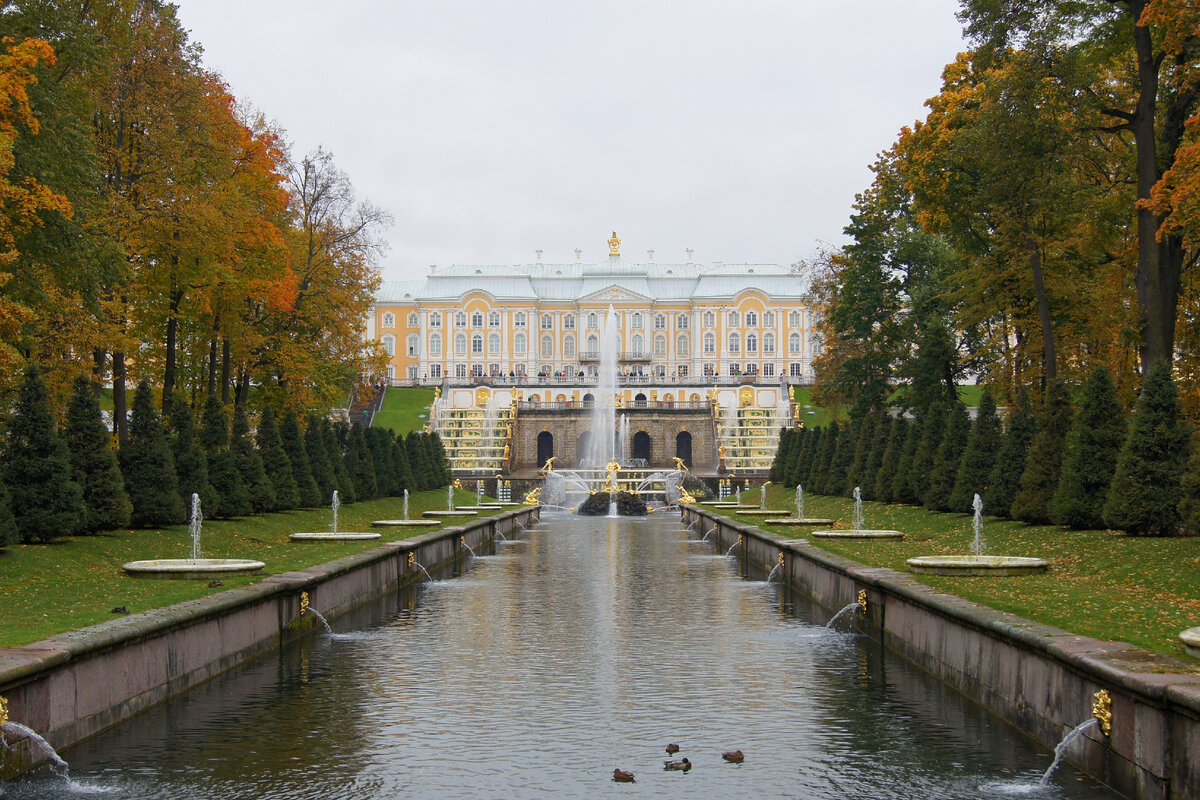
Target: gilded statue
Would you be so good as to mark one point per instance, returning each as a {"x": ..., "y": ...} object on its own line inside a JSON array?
[
  {"x": 549, "y": 465},
  {"x": 679, "y": 465},
  {"x": 532, "y": 497},
  {"x": 614, "y": 245}
]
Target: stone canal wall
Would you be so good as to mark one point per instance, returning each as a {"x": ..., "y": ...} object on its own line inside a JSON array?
[
  {"x": 1039, "y": 678},
  {"x": 71, "y": 686}
]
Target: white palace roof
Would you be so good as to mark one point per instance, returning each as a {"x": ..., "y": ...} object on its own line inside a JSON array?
[{"x": 539, "y": 281}]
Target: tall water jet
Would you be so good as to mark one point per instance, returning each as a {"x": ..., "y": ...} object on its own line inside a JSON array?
[
  {"x": 406, "y": 505},
  {"x": 858, "y": 509},
  {"x": 479, "y": 492},
  {"x": 623, "y": 438},
  {"x": 859, "y": 531},
  {"x": 57, "y": 764},
  {"x": 194, "y": 526},
  {"x": 334, "y": 505},
  {"x": 762, "y": 498},
  {"x": 603, "y": 420},
  {"x": 799, "y": 501},
  {"x": 978, "y": 546},
  {"x": 450, "y": 497}
]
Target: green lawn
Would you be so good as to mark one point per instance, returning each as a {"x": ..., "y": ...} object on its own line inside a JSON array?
[
  {"x": 52, "y": 588},
  {"x": 1102, "y": 584},
  {"x": 404, "y": 409},
  {"x": 812, "y": 416}
]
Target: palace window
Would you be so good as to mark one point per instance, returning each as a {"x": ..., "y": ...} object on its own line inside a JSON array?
[
  {"x": 751, "y": 319},
  {"x": 547, "y": 322},
  {"x": 733, "y": 319},
  {"x": 519, "y": 344},
  {"x": 794, "y": 343},
  {"x": 412, "y": 319},
  {"x": 435, "y": 371},
  {"x": 569, "y": 322},
  {"x": 593, "y": 321},
  {"x": 389, "y": 320},
  {"x": 477, "y": 319},
  {"x": 768, "y": 319},
  {"x": 435, "y": 344},
  {"x": 477, "y": 370},
  {"x": 660, "y": 371},
  {"x": 593, "y": 346},
  {"x": 412, "y": 344},
  {"x": 636, "y": 322},
  {"x": 660, "y": 345},
  {"x": 460, "y": 345},
  {"x": 637, "y": 344},
  {"x": 751, "y": 343},
  {"x": 493, "y": 344},
  {"x": 769, "y": 370},
  {"x": 569, "y": 347},
  {"x": 494, "y": 319},
  {"x": 519, "y": 319},
  {"x": 389, "y": 344},
  {"x": 796, "y": 370},
  {"x": 547, "y": 347},
  {"x": 435, "y": 320},
  {"x": 793, "y": 319},
  {"x": 735, "y": 343},
  {"x": 710, "y": 319},
  {"x": 710, "y": 344},
  {"x": 477, "y": 345},
  {"x": 681, "y": 322},
  {"x": 768, "y": 343},
  {"x": 460, "y": 370},
  {"x": 683, "y": 346},
  {"x": 660, "y": 322},
  {"x": 460, "y": 319},
  {"x": 682, "y": 371}
]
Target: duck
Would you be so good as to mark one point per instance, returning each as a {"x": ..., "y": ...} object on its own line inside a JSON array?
[
  {"x": 672, "y": 749},
  {"x": 682, "y": 764},
  {"x": 621, "y": 776},
  {"x": 733, "y": 756}
]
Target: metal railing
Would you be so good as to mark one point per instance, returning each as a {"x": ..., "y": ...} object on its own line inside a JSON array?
[{"x": 647, "y": 405}]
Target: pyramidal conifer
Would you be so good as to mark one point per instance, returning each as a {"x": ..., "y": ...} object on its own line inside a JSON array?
[
  {"x": 1090, "y": 457},
  {"x": 191, "y": 465},
  {"x": 949, "y": 456},
  {"x": 94, "y": 461},
  {"x": 979, "y": 456},
  {"x": 149, "y": 467},
  {"x": 292, "y": 441},
  {"x": 233, "y": 500},
  {"x": 276, "y": 463},
  {"x": 318, "y": 459},
  {"x": 829, "y": 445},
  {"x": 1005, "y": 479},
  {"x": 1044, "y": 464},
  {"x": 892, "y": 454}
]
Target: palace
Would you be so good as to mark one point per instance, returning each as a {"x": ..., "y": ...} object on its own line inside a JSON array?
[{"x": 705, "y": 356}]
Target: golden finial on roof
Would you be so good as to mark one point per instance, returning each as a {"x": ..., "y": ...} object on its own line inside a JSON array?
[{"x": 614, "y": 245}]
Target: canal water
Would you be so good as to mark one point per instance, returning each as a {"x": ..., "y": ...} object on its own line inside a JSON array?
[{"x": 586, "y": 646}]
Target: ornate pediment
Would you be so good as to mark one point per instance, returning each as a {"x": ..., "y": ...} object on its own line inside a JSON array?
[{"x": 615, "y": 294}]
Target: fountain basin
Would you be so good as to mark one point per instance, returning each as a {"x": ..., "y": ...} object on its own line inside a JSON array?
[
  {"x": 881, "y": 535},
  {"x": 192, "y": 569},
  {"x": 978, "y": 565},
  {"x": 455, "y": 513},
  {"x": 403, "y": 523},
  {"x": 1191, "y": 641},
  {"x": 723, "y": 504},
  {"x": 330, "y": 536},
  {"x": 477, "y": 508},
  {"x": 761, "y": 512},
  {"x": 798, "y": 521}
]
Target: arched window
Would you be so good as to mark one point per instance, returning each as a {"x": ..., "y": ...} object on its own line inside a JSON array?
[
  {"x": 435, "y": 344},
  {"x": 637, "y": 345},
  {"x": 593, "y": 320},
  {"x": 494, "y": 319},
  {"x": 493, "y": 344},
  {"x": 751, "y": 343},
  {"x": 519, "y": 319},
  {"x": 636, "y": 321},
  {"x": 683, "y": 346},
  {"x": 413, "y": 343},
  {"x": 389, "y": 320},
  {"x": 593, "y": 346},
  {"x": 477, "y": 319},
  {"x": 412, "y": 319},
  {"x": 710, "y": 319},
  {"x": 389, "y": 344},
  {"x": 547, "y": 346},
  {"x": 735, "y": 343},
  {"x": 751, "y": 319},
  {"x": 793, "y": 319},
  {"x": 660, "y": 322},
  {"x": 569, "y": 347},
  {"x": 733, "y": 319},
  {"x": 768, "y": 343},
  {"x": 519, "y": 344},
  {"x": 710, "y": 344},
  {"x": 660, "y": 345},
  {"x": 681, "y": 322},
  {"x": 460, "y": 345},
  {"x": 794, "y": 343},
  {"x": 569, "y": 322},
  {"x": 460, "y": 319},
  {"x": 435, "y": 320},
  {"x": 477, "y": 345},
  {"x": 768, "y": 319},
  {"x": 547, "y": 322}
]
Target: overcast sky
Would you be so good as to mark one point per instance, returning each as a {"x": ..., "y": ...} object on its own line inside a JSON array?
[{"x": 492, "y": 129}]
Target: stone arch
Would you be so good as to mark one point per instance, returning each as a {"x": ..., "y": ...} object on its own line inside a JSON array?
[
  {"x": 545, "y": 447},
  {"x": 641, "y": 446},
  {"x": 683, "y": 448},
  {"x": 583, "y": 449}
]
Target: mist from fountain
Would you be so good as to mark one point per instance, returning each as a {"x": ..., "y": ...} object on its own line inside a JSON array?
[
  {"x": 853, "y": 608},
  {"x": 57, "y": 765},
  {"x": 603, "y": 419},
  {"x": 623, "y": 437},
  {"x": 1060, "y": 749}
]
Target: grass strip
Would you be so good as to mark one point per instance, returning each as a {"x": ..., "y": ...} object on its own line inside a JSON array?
[
  {"x": 404, "y": 409},
  {"x": 46, "y": 589}
]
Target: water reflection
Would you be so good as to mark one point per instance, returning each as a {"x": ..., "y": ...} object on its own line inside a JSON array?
[{"x": 588, "y": 647}]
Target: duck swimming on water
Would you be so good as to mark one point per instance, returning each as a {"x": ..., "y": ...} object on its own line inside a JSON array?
[
  {"x": 621, "y": 776},
  {"x": 733, "y": 756},
  {"x": 683, "y": 765},
  {"x": 672, "y": 749}
]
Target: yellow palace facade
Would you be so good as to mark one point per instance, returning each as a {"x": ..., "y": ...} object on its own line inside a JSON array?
[{"x": 679, "y": 323}]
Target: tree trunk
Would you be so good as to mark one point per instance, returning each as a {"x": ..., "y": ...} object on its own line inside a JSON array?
[
  {"x": 226, "y": 365},
  {"x": 119, "y": 405},
  {"x": 172, "y": 333},
  {"x": 99, "y": 359},
  {"x": 243, "y": 389},
  {"x": 1049, "y": 363}
]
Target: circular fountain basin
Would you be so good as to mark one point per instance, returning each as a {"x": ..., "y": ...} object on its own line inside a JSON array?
[
  {"x": 330, "y": 536},
  {"x": 761, "y": 512},
  {"x": 455, "y": 513},
  {"x": 1191, "y": 640},
  {"x": 192, "y": 568},
  {"x": 477, "y": 508},
  {"x": 404, "y": 523},
  {"x": 863, "y": 534},
  {"x": 977, "y": 565},
  {"x": 798, "y": 521},
  {"x": 722, "y": 504}
]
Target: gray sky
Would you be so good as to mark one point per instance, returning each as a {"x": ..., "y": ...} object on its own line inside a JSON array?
[{"x": 491, "y": 129}]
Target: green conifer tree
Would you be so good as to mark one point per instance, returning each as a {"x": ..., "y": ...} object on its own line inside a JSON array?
[
  {"x": 335, "y": 447},
  {"x": 1042, "y": 468},
  {"x": 94, "y": 462},
  {"x": 886, "y": 476},
  {"x": 249, "y": 464},
  {"x": 45, "y": 501},
  {"x": 843, "y": 458},
  {"x": 404, "y": 477},
  {"x": 1189, "y": 503},
  {"x": 8, "y": 523},
  {"x": 1005, "y": 479},
  {"x": 418, "y": 462},
  {"x": 794, "y": 473},
  {"x": 786, "y": 437},
  {"x": 811, "y": 465},
  {"x": 901, "y": 490},
  {"x": 979, "y": 457},
  {"x": 440, "y": 460},
  {"x": 1090, "y": 457},
  {"x": 366, "y": 481},
  {"x": 292, "y": 440},
  {"x": 276, "y": 462},
  {"x": 1147, "y": 487},
  {"x": 870, "y": 473},
  {"x": 149, "y": 467},
  {"x": 949, "y": 455},
  {"x": 829, "y": 446},
  {"x": 233, "y": 499},
  {"x": 318, "y": 459},
  {"x": 191, "y": 464},
  {"x": 379, "y": 440},
  {"x": 933, "y": 427},
  {"x": 864, "y": 441}
]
